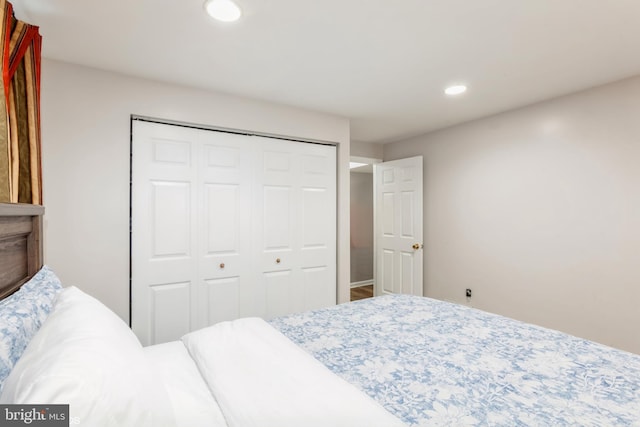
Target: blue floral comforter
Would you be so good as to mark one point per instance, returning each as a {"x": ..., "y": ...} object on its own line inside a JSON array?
[{"x": 433, "y": 363}]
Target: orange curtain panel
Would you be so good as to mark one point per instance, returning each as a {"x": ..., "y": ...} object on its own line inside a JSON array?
[{"x": 20, "y": 164}]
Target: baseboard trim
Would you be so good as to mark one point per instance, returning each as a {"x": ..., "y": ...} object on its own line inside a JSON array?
[{"x": 362, "y": 283}]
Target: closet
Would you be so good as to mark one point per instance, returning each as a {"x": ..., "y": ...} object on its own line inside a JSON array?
[{"x": 226, "y": 225}]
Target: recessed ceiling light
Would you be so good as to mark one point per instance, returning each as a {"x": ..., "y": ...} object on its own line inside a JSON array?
[
  {"x": 455, "y": 90},
  {"x": 223, "y": 10}
]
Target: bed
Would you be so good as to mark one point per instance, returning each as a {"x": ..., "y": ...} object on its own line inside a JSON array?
[{"x": 387, "y": 361}]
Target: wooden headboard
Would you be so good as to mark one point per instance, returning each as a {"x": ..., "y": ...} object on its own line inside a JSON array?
[{"x": 20, "y": 245}]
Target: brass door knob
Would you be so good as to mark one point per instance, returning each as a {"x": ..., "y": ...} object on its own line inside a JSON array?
[
  {"x": 277, "y": 260},
  {"x": 222, "y": 265},
  {"x": 417, "y": 246}
]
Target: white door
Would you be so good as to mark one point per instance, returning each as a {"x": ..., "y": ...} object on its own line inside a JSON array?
[
  {"x": 398, "y": 226},
  {"x": 227, "y": 226},
  {"x": 164, "y": 218},
  {"x": 295, "y": 226},
  {"x": 224, "y": 234}
]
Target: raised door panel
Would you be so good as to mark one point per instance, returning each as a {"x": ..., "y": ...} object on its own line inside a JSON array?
[
  {"x": 170, "y": 311},
  {"x": 316, "y": 293},
  {"x": 317, "y": 235},
  {"x": 222, "y": 220},
  {"x": 277, "y": 209},
  {"x": 406, "y": 280},
  {"x": 282, "y": 293},
  {"x": 222, "y": 299},
  {"x": 171, "y": 219},
  {"x": 407, "y": 220},
  {"x": 388, "y": 214},
  {"x": 388, "y": 271},
  {"x": 169, "y": 229}
]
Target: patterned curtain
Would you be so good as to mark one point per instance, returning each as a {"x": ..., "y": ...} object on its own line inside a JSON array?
[{"x": 20, "y": 166}]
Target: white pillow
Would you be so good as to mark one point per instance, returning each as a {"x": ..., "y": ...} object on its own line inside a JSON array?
[
  {"x": 86, "y": 356},
  {"x": 22, "y": 314}
]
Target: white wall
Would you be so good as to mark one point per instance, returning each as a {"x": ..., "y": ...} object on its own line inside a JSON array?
[
  {"x": 367, "y": 149},
  {"x": 538, "y": 211},
  {"x": 86, "y": 135}
]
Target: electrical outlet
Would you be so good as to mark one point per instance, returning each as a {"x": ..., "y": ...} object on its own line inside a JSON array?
[{"x": 468, "y": 293}]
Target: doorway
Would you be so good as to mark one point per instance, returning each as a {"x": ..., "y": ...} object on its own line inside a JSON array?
[
  {"x": 386, "y": 227},
  {"x": 362, "y": 227}
]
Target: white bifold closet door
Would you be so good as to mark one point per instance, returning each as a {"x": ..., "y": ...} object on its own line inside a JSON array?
[{"x": 227, "y": 226}]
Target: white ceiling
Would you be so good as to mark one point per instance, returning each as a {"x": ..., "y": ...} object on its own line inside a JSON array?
[{"x": 383, "y": 64}]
